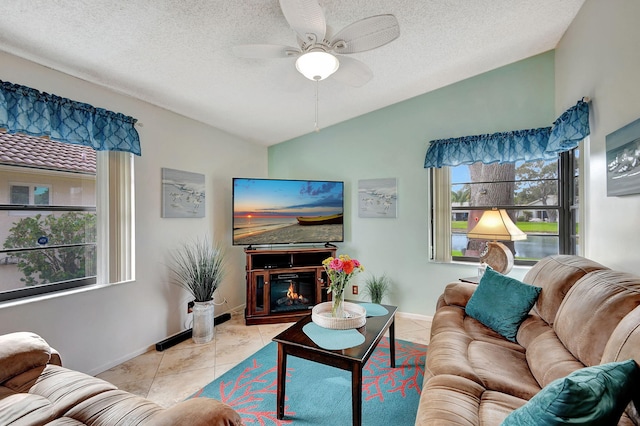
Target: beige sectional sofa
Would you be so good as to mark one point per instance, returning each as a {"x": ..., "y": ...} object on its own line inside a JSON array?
[
  {"x": 585, "y": 315},
  {"x": 36, "y": 390}
]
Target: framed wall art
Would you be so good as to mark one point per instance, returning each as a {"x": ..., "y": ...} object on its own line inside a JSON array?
[
  {"x": 623, "y": 160},
  {"x": 182, "y": 194},
  {"x": 378, "y": 198}
]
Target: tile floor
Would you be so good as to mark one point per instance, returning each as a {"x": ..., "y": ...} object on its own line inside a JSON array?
[{"x": 172, "y": 375}]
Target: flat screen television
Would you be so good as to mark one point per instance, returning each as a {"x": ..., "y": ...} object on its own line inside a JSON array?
[{"x": 283, "y": 211}]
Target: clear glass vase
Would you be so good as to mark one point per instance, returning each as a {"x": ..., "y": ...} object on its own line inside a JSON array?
[
  {"x": 203, "y": 321},
  {"x": 337, "y": 305}
]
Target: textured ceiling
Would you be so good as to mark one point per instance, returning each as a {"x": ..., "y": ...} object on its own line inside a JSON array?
[{"x": 177, "y": 54}]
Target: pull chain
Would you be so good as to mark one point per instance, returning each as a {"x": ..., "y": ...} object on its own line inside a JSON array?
[{"x": 317, "y": 128}]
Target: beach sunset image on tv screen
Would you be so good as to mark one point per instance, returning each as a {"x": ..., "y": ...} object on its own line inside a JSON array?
[{"x": 278, "y": 211}]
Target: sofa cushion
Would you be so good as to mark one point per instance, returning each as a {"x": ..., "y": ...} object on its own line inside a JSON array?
[
  {"x": 496, "y": 406},
  {"x": 532, "y": 327},
  {"x": 115, "y": 407},
  {"x": 455, "y": 401},
  {"x": 65, "y": 421},
  {"x": 623, "y": 344},
  {"x": 24, "y": 409},
  {"x": 502, "y": 303},
  {"x": 502, "y": 369},
  {"x": 450, "y": 356},
  {"x": 481, "y": 333},
  {"x": 556, "y": 275},
  {"x": 549, "y": 360},
  {"x": 592, "y": 310},
  {"x": 67, "y": 388},
  {"x": 449, "y": 399},
  {"x": 590, "y": 396}
]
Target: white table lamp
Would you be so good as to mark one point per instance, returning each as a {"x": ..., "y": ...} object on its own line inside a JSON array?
[{"x": 496, "y": 225}]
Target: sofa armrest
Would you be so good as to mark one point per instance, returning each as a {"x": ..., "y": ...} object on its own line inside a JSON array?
[
  {"x": 196, "y": 412},
  {"x": 20, "y": 352},
  {"x": 55, "y": 358},
  {"x": 457, "y": 294}
]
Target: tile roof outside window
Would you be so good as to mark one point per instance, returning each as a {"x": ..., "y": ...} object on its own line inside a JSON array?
[{"x": 30, "y": 151}]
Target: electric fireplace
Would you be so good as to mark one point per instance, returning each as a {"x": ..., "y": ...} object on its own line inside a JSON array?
[
  {"x": 292, "y": 291},
  {"x": 284, "y": 285}
]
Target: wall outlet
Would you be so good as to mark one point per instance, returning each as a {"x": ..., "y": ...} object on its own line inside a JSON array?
[{"x": 354, "y": 289}]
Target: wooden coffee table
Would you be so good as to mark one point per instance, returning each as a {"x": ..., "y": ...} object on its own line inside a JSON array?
[{"x": 294, "y": 341}]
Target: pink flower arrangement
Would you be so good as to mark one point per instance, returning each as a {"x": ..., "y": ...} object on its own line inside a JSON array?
[{"x": 340, "y": 270}]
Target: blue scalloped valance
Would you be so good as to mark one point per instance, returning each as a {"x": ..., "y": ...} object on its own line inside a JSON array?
[
  {"x": 26, "y": 110},
  {"x": 519, "y": 145}
]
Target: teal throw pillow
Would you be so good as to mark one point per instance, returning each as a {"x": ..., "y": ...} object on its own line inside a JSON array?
[
  {"x": 502, "y": 303},
  {"x": 590, "y": 396}
]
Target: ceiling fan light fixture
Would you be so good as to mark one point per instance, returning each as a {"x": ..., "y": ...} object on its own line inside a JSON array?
[{"x": 317, "y": 65}]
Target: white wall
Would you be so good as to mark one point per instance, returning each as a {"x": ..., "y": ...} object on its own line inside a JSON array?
[
  {"x": 97, "y": 329},
  {"x": 599, "y": 57},
  {"x": 391, "y": 143}
]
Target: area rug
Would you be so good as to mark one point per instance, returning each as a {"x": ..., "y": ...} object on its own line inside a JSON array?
[{"x": 317, "y": 394}]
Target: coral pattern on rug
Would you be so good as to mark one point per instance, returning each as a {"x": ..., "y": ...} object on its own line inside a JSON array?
[{"x": 316, "y": 393}]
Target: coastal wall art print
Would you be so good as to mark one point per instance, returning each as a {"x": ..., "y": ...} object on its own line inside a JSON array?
[
  {"x": 623, "y": 160},
  {"x": 378, "y": 198},
  {"x": 182, "y": 194}
]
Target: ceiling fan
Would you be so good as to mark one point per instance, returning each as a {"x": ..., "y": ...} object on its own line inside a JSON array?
[{"x": 319, "y": 53}]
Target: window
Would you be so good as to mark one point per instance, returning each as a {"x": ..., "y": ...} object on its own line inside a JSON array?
[
  {"x": 541, "y": 197},
  {"x": 52, "y": 235},
  {"x": 20, "y": 195},
  {"x": 28, "y": 194}
]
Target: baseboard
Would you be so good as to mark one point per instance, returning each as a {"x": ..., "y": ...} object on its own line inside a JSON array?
[
  {"x": 419, "y": 317},
  {"x": 186, "y": 334}
]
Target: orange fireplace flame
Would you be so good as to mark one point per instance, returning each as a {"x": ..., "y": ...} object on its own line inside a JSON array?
[{"x": 291, "y": 293}]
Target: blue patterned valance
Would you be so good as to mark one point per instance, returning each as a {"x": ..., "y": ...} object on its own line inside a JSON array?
[
  {"x": 28, "y": 111},
  {"x": 519, "y": 145},
  {"x": 569, "y": 129}
]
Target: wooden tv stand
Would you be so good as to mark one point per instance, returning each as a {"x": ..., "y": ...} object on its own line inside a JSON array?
[{"x": 274, "y": 275}]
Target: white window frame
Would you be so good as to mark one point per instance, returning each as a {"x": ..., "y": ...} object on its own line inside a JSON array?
[
  {"x": 440, "y": 188},
  {"x": 30, "y": 186},
  {"x": 115, "y": 233}
]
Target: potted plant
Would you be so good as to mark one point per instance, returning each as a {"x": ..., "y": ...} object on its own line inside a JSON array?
[
  {"x": 377, "y": 287},
  {"x": 199, "y": 267}
]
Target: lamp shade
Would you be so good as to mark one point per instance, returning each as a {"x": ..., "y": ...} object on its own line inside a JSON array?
[
  {"x": 317, "y": 65},
  {"x": 496, "y": 225}
]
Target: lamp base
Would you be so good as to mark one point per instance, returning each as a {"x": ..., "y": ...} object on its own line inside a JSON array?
[{"x": 498, "y": 257}]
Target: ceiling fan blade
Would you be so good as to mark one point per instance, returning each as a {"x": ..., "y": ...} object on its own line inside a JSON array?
[
  {"x": 284, "y": 77},
  {"x": 265, "y": 51},
  {"x": 366, "y": 34},
  {"x": 352, "y": 72},
  {"x": 306, "y": 18}
]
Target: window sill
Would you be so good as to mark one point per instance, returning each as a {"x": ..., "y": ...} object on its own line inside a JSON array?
[
  {"x": 54, "y": 295},
  {"x": 518, "y": 271}
]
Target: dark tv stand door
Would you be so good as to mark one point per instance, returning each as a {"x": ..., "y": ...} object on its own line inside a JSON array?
[{"x": 274, "y": 267}]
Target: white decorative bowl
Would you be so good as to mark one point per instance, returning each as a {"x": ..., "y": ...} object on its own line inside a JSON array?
[{"x": 356, "y": 316}]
